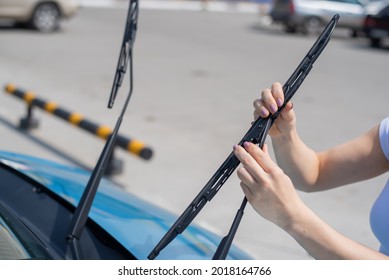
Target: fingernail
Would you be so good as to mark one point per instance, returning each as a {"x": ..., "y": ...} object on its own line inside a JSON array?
[
  {"x": 264, "y": 112},
  {"x": 234, "y": 147},
  {"x": 279, "y": 102},
  {"x": 273, "y": 108},
  {"x": 246, "y": 144}
]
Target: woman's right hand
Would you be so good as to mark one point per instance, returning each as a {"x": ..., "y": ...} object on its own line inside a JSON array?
[{"x": 269, "y": 103}]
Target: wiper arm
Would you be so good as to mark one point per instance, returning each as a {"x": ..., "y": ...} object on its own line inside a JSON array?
[
  {"x": 81, "y": 213},
  {"x": 257, "y": 135}
]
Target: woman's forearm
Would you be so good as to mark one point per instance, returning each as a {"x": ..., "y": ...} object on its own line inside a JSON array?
[
  {"x": 356, "y": 160},
  {"x": 322, "y": 242},
  {"x": 297, "y": 160}
]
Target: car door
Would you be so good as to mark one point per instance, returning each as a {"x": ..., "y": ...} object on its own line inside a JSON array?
[
  {"x": 351, "y": 12},
  {"x": 15, "y": 9}
]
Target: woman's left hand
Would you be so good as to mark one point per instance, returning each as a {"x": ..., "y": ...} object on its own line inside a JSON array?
[{"x": 267, "y": 188}]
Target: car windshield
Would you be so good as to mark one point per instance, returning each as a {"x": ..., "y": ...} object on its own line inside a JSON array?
[{"x": 10, "y": 246}]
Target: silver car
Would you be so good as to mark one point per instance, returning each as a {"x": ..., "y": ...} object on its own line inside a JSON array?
[
  {"x": 309, "y": 16},
  {"x": 42, "y": 15}
]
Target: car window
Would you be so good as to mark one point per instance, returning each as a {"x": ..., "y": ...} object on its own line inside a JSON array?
[
  {"x": 10, "y": 246},
  {"x": 384, "y": 12},
  {"x": 347, "y": 1},
  {"x": 281, "y": 2},
  {"x": 40, "y": 220},
  {"x": 16, "y": 241}
]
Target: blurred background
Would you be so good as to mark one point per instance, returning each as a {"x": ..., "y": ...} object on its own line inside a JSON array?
[{"x": 198, "y": 66}]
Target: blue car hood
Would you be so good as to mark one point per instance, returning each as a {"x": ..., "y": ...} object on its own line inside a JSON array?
[{"x": 138, "y": 225}]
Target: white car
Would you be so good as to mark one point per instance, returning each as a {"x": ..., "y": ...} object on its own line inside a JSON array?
[
  {"x": 309, "y": 16},
  {"x": 42, "y": 15}
]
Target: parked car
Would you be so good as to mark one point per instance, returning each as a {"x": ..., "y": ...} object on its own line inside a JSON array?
[
  {"x": 42, "y": 15},
  {"x": 376, "y": 26},
  {"x": 309, "y": 16},
  {"x": 37, "y": 201}
]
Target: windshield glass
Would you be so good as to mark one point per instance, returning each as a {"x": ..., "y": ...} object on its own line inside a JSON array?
[{"x": 10, "y": 246}]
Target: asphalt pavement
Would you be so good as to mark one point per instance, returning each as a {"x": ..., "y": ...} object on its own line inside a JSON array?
[{"x": 196, "y": 74}]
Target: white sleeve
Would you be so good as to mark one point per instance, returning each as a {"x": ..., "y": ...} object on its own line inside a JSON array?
[{"x": 384, "y": 136}]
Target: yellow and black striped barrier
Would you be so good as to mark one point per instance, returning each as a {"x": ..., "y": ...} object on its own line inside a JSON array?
[{"x": 133, "y": 146}]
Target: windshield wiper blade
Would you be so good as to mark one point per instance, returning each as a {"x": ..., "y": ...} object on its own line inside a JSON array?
[
  {"x": 126, "y": 50},
  {"x": 290, "y": 88},
  {"x": 81, "y": 213},
  {"x": 257, "y": 135}
]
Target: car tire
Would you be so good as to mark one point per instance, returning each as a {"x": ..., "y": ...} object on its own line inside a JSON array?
[
  {"x": 289, "y": 28},
  {"x": 312, "y": 26},
  {"x": 354, "y": 33},
  {"x": 375, "y": 42},
  {"x": 46, "y": 17}
]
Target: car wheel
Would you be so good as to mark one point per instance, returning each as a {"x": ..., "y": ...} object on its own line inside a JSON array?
[
  {"x": 354, "y": 33},
  {"x": 375, "y": 42},
  {"x": 312, "y": 25},
  {"x": 289, "y": 28},
  {"x": 46, "y": 17}
]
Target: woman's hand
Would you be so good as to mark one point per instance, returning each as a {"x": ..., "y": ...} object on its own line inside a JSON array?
[
  {"x": 267, "y": 188},
  {"x": 273, "y": 196},
  {"x": 269, "y": 103}
]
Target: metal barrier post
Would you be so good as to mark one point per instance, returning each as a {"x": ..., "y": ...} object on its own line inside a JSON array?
[
  {"x": 115, "y": 166},
  {"x": 28, "y": 122}
]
